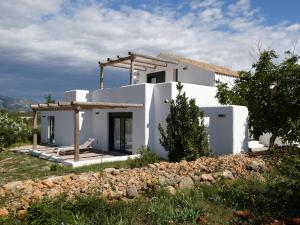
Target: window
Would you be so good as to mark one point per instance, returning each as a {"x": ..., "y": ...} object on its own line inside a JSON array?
[
  {"x": 120, "y": 132},
  {"x": 175, "y": 75},
  {"x": 157, "y": 77}
]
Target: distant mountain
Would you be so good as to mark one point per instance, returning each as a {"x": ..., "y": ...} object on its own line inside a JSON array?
[{"x": 15, "y": 104}]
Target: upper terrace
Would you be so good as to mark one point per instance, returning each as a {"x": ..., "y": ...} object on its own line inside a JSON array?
[{"x": 166, "y": 68}]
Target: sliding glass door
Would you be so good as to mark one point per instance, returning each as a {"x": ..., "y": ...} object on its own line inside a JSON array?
[{"x": 120, "y": 132}]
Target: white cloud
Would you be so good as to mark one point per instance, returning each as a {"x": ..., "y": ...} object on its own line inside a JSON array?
[{"x": 59, "y": 33}]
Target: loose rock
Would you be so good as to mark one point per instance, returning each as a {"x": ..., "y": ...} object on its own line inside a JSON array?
[
  {"x": 207, "y": 177},
  {"x": 171, "y": 190},
  {"x": 3, "y": 212},
  {"x": 21, "y": 214},
  {"x": 109, "y": 170},
  {"x": 186, "y": 182},
  {"x": 11, "y": 186},
  {"x": 131, "y": 191},
  {"x": 227, "y": 174}
]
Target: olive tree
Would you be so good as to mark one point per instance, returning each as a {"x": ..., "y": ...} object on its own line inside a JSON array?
[{"x": 271, "y": 91}]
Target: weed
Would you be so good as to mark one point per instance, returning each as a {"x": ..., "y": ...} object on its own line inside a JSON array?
[{"x": 147, "y": 157}]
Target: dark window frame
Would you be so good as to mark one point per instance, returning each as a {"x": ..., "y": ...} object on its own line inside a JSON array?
[
  {"x": 112, "y": 116},
  {"x": 160, "y": 76}
]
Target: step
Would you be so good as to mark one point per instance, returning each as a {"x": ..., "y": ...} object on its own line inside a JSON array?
[{"x": 255, "y": 144}]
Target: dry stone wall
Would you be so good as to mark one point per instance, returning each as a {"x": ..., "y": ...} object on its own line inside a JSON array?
[{"x": 128, "y": 183}]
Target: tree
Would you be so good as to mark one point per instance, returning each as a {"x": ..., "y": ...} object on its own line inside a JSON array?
[
  {"x": 185, "y": 136},
  {"x": 13, "y": 129},
  {"x": 49, "y": 99},
  {"x": 272, "y": 95}
]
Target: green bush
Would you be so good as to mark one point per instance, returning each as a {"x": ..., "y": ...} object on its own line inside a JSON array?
[
  {"x": 147, "y": 157},
  {"x": 288, "y": 161},
  {"x": 55, "y": 167},
  {"x": 185, "y": 136},
  {"x": 13, "y": 130}
]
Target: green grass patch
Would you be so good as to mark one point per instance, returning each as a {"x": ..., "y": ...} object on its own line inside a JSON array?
[
  {"x": 20, "y": 166},
  {"x": 216, "y": 203},
  {"x": 160, "y": 208}
]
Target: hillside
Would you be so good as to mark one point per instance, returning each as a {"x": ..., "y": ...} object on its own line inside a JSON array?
[{"x": 15, "y": 104}]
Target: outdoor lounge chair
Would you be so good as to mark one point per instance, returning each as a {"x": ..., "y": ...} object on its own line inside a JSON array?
[{"x": 69, "y": 149}]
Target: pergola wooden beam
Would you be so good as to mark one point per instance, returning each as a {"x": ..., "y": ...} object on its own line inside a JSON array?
[
  {"x": 145, "y": 65},
  {"x": 152, "y": 58},
  {"x": 101, "y": 105},
  {"x": 139, "y": 58},
  {"x": 63, "y": 106},
  {"x": 112, "y": 62},
  {"x": 128, "y": 67},
  {"x": 150, "y": 62}
]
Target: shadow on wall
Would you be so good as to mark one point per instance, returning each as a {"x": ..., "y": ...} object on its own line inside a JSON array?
[
  {"x": 265, "y": 140},
  {"x": 86, "y": 123},
  {"x": 245, "y": 141}
]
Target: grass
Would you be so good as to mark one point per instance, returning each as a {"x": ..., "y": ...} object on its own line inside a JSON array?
[
  {"x": 20, "y": 166},
  {"x": 278, "y": 197},
  {"x": 158, "y": 209},
  {"x": 216, "y": 204}
]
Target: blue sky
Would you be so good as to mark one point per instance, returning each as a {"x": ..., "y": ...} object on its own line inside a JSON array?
[{"x": 50, "y": 46}]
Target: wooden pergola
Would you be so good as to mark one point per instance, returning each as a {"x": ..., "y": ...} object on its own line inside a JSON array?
[
  {"x": 134, "y": 61},
  {"x": 76, "y": 107}
]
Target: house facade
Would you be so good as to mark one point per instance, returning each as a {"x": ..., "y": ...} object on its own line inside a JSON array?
[{"x": 153, "y": 84}]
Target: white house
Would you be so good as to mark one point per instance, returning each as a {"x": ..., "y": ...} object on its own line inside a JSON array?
[{"x": 152, "y": 84}]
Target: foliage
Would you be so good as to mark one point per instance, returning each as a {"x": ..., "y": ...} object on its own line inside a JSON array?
[
  {"x": 49, "y": 99},
  {"x": 288, "y": 161},
  {"x": 185, "y": 136},
  {"x": 272, "y": 95},
  {"x": 55, "y": 167},
  {"x": 147, "y": 157},
  {"x": 281, "y": 188},
  {"x": 161, "y": 209},
  {"x": 13, "y": 129}
]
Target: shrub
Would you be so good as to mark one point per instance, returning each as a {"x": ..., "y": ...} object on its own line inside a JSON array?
[
  {"x": 147, "y": 157},
  {"x": 13, "y": 130},
  {"x": 55, "y": 167},
  {"x": 185, "y": 136}
]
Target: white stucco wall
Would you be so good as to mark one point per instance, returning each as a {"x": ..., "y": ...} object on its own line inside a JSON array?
[
  {"x": 63, "y": 127},
  {"x": 161, "y": 92},
  {"x": 265, "y": 140},
  {"x": 64, "y": 121},
  {"x": 186, "y": 73},
  {"x": 227, "y": 134},
  {"x": 225, "y": 79},
  {"x": 126, "y": 94},
  {"x": 228, "y": 127}
]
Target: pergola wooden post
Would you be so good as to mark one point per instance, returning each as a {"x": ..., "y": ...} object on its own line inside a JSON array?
[
  {"x": 131, "y": 69},
  {"x": 76, "y": 134},
  {"x": 101, "y": 77},
  {"x": 35, "y": 126}
]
